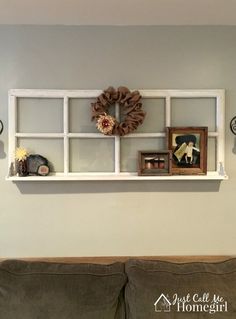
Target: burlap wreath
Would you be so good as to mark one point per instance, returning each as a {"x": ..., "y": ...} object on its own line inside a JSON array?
[{"x": 130, "y": 106}]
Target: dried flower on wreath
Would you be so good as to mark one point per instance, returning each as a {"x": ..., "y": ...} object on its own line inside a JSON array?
[
  {"x": 105, "y": 124},
  {"x": 130, "y": 109},
  {"x": 21, "y": 154}
]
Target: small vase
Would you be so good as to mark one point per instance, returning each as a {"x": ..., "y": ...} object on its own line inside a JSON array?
[{"x": 22, "y": 168}]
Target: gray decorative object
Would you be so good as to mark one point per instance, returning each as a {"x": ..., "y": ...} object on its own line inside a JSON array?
[{"x": 38, "y": 165}]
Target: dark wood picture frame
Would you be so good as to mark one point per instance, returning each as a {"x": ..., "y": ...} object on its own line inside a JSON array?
[
  {"x": 189, "y": 150},
  {"x": 152, "y": 163}
]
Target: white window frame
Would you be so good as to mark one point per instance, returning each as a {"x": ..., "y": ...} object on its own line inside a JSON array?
[{"x": 218, "y": 134}]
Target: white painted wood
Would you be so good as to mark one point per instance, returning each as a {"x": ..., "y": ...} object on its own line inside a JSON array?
[
  {"x": 118, "y": 177},
  {"x": 66, "y": 130},
  {"x": 159, "y": 135},
  {"x": 180, "y": 93},
  {"x": 40, "y": 135},
  {"x": 219, "y": 134},
  {"x": 168, "y": 111},
  {"x": 220, "y": 126},
  {"x": 37, "y": 93},
  {"x": 144, "y": 135},
  {"x": 55, "y": 93},
  {"x": 88, "y": 135},
  {"x": 45, "y": 93},
  {"x": 213, "y": 134},
  {"x": 117, "y": 154},
  {"x": 117, "y": 142},
  {"x": 96, "y": 135},
  {"x": 12, "y": 127}
]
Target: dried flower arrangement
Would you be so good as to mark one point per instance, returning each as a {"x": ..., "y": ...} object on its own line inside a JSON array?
[
  {"x": 105, "y": 124},
  {"x": 21, "y": 154}
]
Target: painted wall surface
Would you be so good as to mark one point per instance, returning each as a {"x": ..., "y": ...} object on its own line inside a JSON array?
[{"x": 118, "y": 218}]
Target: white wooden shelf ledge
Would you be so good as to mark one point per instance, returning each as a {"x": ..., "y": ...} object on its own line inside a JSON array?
[{"x": 116, "y": 177}]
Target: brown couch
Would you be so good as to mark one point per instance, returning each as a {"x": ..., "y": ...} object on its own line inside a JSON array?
[{"x": 135, "y": 289}]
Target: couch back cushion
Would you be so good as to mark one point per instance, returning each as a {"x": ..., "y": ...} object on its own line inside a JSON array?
[
  {"x": 159, "y": 289},
  {"x": 40, "y": 290}
]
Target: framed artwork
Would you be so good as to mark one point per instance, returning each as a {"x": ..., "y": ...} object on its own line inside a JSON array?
[
  {"x": 189, "y": 150},
  {"x": 154, "y": 163}
]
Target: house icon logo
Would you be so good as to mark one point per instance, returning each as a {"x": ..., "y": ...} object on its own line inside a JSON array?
[{"x": 162, "y": 304}]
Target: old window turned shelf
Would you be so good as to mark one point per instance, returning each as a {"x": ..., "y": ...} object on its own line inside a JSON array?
[{"x": 56, "y": 124}]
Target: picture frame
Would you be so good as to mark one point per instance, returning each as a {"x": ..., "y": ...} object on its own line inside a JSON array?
[
  {"x": 189, "y": 150},
  {"x": 153, "y": 163}
]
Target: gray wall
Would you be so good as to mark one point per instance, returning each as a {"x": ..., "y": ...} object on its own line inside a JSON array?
[{"x": 118, "y": 218}]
